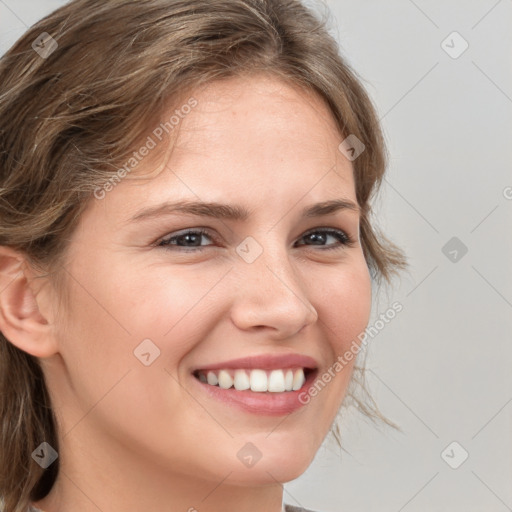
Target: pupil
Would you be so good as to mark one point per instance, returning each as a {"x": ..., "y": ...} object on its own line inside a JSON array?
[
  {"x": 316, "y": 237},
  {"x": 190, "y": 238}
]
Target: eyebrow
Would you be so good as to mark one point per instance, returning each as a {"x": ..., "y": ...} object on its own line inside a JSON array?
[{"x": 235, "y": 212}]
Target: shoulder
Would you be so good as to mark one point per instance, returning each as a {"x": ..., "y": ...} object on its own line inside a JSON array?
[{"x": 291, "y": 508}]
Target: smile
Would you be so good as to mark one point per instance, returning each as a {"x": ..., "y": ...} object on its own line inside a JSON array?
[
  {"x": 257, "y": 380},
  {"x": 264, "y": 384}
]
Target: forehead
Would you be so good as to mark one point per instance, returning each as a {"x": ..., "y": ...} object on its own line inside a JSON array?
[
  {"x": 258, "y": 112},
  {"x": 255, "y": 140}
]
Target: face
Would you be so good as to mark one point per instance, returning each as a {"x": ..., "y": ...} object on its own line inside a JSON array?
[{"x": 163, "y": 299}]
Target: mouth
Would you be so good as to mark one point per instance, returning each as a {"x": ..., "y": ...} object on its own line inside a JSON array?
[
  {"x": 258, "y": 380},
  {"x": 266, "y": 384}
]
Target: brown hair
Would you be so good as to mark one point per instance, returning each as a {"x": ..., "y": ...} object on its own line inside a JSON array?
[{"x": 69, "y": 119}]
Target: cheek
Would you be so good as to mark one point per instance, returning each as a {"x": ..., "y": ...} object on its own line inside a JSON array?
[
  {"x": 111, "y": 314},
  {"x": 344, "y": 310},
  {"x": 344, "y": 306},
  {"x": 113, "y": 310}
]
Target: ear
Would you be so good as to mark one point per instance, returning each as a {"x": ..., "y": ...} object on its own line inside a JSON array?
[{"x": 21, "y": 303}]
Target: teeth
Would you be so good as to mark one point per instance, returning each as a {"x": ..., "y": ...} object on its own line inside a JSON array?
[
  {"x": 258, "y": 380},
  {"x": 212, "y": 379},
  {"x": 225, "y": 380},
  {"x": 288, "y": 380},
  {"x": 274, "y": 381},
  {"x": 298, "y": 379},
  {"x": 242, "y": 381}
]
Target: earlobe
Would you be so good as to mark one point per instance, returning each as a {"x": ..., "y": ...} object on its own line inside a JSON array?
[{"x": 21, "y": 320}]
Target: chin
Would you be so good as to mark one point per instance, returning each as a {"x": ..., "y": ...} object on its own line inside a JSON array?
[
  {"x": 268, "y": 475},
  {"x": 281, "y": 465}
]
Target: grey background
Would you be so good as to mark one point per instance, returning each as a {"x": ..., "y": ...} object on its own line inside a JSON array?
[{"x": 442, "y": 368}]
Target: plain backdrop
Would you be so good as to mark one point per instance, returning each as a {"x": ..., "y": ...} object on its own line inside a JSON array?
[{"x": 440, "y": 75}]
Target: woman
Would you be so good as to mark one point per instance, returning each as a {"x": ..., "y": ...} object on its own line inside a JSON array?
[{"x": 186, "y": 252}]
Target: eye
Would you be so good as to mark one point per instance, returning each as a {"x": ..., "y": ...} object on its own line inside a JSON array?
[
  {"x": 319, "y": 236},
  {"x": 190, "y": 240}
]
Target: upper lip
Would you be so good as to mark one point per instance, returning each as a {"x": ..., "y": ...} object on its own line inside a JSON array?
[{"x": 264, "y": 362}]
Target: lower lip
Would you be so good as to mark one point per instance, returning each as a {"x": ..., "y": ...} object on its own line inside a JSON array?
[{"x": 262, "y": 403}]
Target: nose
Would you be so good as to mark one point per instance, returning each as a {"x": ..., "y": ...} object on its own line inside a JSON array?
[{"x": 271, "y": 296}]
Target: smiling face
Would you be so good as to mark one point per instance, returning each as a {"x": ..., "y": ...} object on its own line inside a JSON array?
[{"x": 265, "y": 278}]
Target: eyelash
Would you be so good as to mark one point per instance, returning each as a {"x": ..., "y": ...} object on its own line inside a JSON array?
[{"x": 344, "y": 239}]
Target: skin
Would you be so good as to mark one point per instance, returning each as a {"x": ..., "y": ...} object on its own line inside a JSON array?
[{"x": 134, "y": 437}]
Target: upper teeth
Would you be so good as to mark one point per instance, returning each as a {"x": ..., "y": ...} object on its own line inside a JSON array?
[{"x": 256, "y": 380}]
